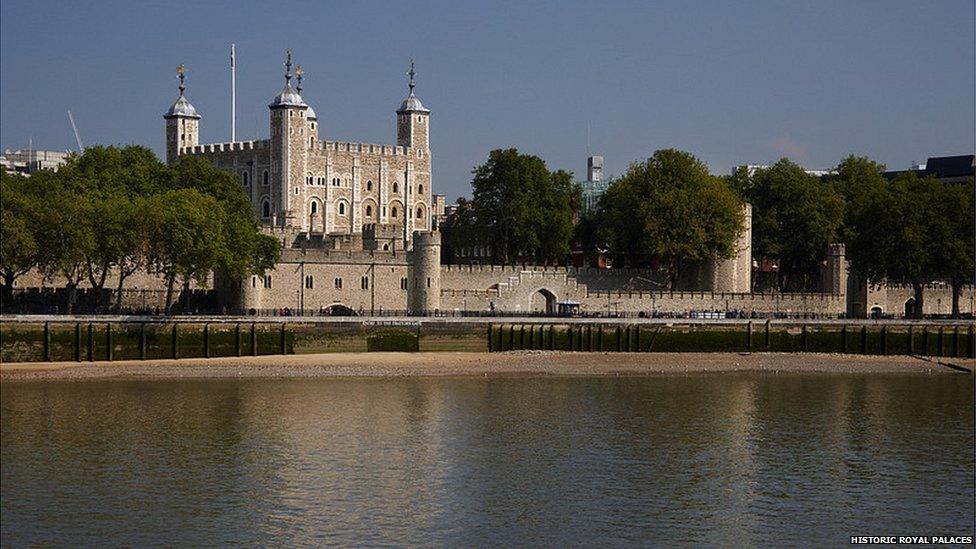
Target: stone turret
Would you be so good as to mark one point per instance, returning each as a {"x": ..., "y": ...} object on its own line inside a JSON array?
[
  {"x": 835, "y": 272},
  {"x": 182, "y": 123},
  {"x": 734, "y": 275},
  {"x": 289, "y": 155},
  {"x": 424, "y": 274},
  {"x": 413, "y": 120}
]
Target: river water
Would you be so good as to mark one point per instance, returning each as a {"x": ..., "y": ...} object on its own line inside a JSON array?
[{"x": 734, "y": 459}]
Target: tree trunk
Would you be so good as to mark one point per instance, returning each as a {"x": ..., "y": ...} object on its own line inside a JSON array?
[
  {"x": 170, "y": 282},
  {"x": 185, "y": 296},
  {"x": 118, "y": 291},
  {"x": 8, "y": 288},
  {"x": 919, "y": 290},
  {"x": 72, "y": 288},
  {"x": 956, "y": 290}
]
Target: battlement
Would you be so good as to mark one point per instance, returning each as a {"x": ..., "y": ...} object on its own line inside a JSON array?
[
  {"x": 752, "y": 297},
  {"x": 323, "y": 255},
  {"x": 500, "y": 269},
  {"x": 226, "y": 147},
  {"x": 365, "y": 148}
]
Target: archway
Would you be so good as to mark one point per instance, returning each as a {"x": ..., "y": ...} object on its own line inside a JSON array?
[
  {"x": 542, "y": 301},
  {"x": 876, "y": 312},
  {"x": 910, "y": 308},
  {"x": 337, "y": 309}
]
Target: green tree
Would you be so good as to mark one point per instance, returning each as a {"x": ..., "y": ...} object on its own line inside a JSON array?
[
  {"x": 186, "y": 237},
  {"x": 671, "y": 209},
  {"x": 520, "y": 209},
  {"x": 66, "y": 236},
  {"x": 19, "y": 248},
  {"x": 795, "y": 216},
  {"x": 955, "y": 240}
]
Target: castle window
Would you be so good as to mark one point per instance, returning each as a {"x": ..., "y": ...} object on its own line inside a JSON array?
[
  {"x": 264, "y": 177},
  {"x": 313, "y": 125},
  {"x": 315, "y": 207},
  {"x": 254, "y": 282},
  {"x": 265, "y": 209},
  {"x": 428, "y": 282},
  {"x": 369, "y": 185},
  {"x": 420, "y": 212},
  {"x": 244, "y": 178},
  {"x": 396, "y": 188},
  {"x": 309, "y": 282},
  {"x": 342, "y": 208},
  {"x": 386, "y": 247},
  {"x": 267, "y": 281},
  {"x": 311, "y": 140},
  {"x": 297, "y": 190},
  {"x": 420, "y": 189},
  {"x": 338, "y": 283},
  {"x": 369, "y": 211},
  {"x": 393, "y": 212},
  {"x": 403, "y": 283},
  {"x": 364, "y": 283}
]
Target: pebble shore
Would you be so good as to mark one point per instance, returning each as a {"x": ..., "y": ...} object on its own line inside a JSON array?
[{"x": 520, "y": 363}]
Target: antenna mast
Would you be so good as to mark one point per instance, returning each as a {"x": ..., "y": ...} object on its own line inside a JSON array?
[
  {"x": 81, "y": 148},
  {"x": 233, "y": 95}
]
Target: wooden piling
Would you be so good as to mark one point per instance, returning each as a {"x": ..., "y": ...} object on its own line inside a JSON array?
[
  {"x": 206, "y": 340},
  {"x": 955, "y": 341},
  {"x": 884, "y": 340},
  {"x": 91, "y": 342},
  {"x": 47, "y": 342},
  {"x": 174, "y": 344},
  {"x": 282, "y": 348},
  {"x": 237, "y": 339},
  {"x": 940, "y": 341},
  {"x": 749, "y": 336},
  {"x": 77, "y": 341},
  {"x": 766, "y": 342},
  {"x": 108, "y": 342},
  {"x": 864, "y": 340},
  {"x": 843, "y": 339},
  {"x": 254, "y": 339},
  {"x": 142, "y": 341}
]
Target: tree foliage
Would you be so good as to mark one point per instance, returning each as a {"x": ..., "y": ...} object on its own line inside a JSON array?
[
  {"x": 670, "y": 209},
  {"x": 795, "y": 216},
  {"x": 118, "y": 210},
  {"x": 520, "y": 210}
]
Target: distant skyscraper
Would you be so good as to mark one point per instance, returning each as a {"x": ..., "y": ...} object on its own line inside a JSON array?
[{"x": 594, "y": 186}]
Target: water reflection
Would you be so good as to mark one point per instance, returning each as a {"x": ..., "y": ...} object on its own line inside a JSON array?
[{"x": 733, "y": 459}]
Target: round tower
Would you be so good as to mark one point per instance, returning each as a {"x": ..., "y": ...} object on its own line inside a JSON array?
[
  {"x": 734, "y": 275},
  {"x": 413, "y": 119},
  {"x": 424, "y": 274},
  {"x": 182, "y": 123}
]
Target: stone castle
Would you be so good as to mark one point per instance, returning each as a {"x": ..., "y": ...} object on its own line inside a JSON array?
[
  {"x": 357, "y": 224},
  {"x": 297, "y": 181}
]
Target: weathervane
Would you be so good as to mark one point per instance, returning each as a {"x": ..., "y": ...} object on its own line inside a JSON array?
[
  {"x": 412, "y": 73},
  {"x": 181, "y": 73},
  {"x": 299, "y": 72},
  {"x": 288, "y": 68}
]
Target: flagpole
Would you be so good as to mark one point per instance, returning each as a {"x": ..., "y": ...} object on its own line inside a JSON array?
[{"x": 233, "y": 95}]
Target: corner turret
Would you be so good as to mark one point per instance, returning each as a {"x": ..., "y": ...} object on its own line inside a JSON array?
[{"x": 182, "y": 122}]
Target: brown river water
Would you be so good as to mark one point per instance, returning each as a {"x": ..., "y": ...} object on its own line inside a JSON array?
[{"x": 731, "y": 459}]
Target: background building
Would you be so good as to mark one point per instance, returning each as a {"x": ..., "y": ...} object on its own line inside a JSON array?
[
  {"x": 30, "y": 161},
  {"x": 594, "y": 186}
]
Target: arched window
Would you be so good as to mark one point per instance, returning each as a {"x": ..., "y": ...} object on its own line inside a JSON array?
[
  {"x": 244, "y": 178},
  {"x": 315, "y": 207},
  {"x": 369, "y": 185},
  {"x": 342, "y": 208},
  {"x": 420, "y": 189},
  {"x": 420, "y": 212},
  {"x": 311, "y": 140},
  {"x": 393, "y": 212},
  {"x": 265, "y": 209},
  {"x": 369, "y": 211},
  {"x": 264, "y": 177},
  {"x": 396, "y": 188}
]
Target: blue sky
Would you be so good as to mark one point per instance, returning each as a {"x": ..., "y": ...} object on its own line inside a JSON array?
[{"x": 733, "y": 83}]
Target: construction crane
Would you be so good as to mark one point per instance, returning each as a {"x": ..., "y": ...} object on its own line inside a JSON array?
[{"x": 81, "y": 148}]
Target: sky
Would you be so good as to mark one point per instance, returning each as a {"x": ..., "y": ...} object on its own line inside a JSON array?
[{"x": 731, "y": 82}]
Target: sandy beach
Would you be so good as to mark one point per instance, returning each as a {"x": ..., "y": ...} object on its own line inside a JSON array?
[{"x": 522, "y": 363}]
